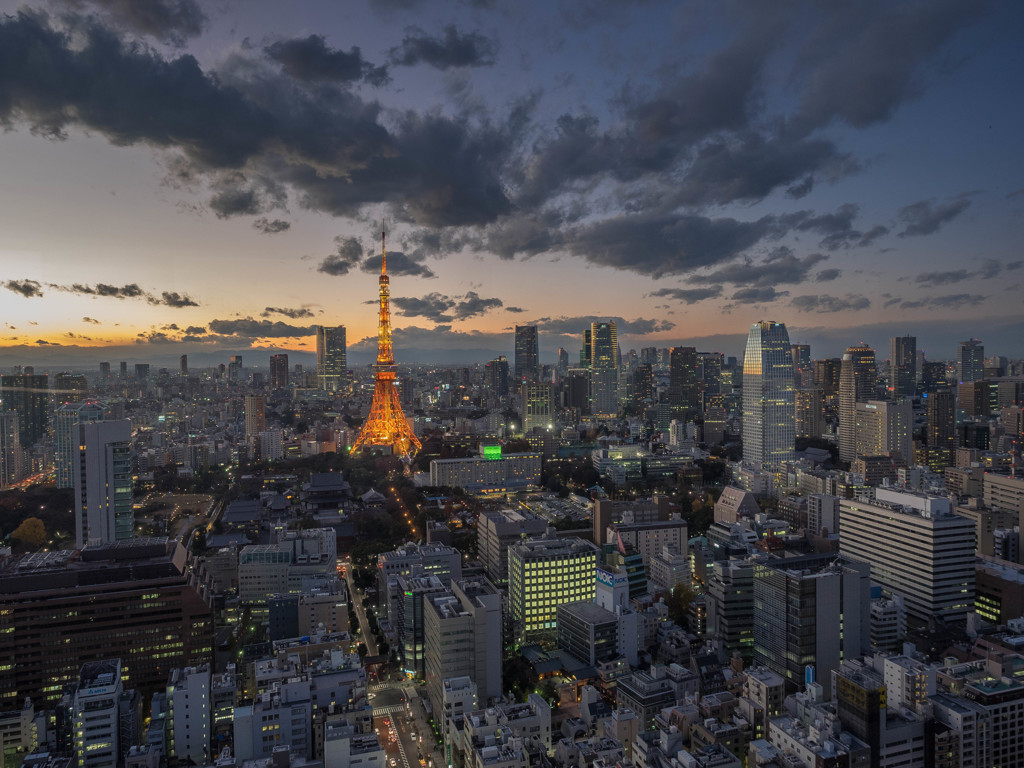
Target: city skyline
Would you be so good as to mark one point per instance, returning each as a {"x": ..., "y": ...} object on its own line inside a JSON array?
[{"x": 685, "y": 170}]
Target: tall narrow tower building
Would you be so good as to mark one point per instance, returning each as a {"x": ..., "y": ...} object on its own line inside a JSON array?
[{"x": 769, "y": 418}]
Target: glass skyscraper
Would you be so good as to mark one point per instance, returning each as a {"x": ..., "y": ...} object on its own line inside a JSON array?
[
  {"x": 769, "y": 431},
  {"x": 527, "y": 368},
  {"x": 604, "y": 369},
  {"x": 331, "y": 361}
]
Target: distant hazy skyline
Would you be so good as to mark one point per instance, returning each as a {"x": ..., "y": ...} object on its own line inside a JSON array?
[{"x": 197, "y": 177}]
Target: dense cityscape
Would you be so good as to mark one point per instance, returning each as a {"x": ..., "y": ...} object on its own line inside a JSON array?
[{"x": 548, "y": 384}]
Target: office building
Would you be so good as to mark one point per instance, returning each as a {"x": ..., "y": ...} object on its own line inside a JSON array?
[
  {"x": 526, "y": 355},
  {"x": 96, "y": 715},
  {"x": 493, "y": 472},
  {"x": 643, "y": 383},
  {"x": 182, "y": 367},
  {"x": 543, "y": 574},
  {"x": 885, "y": 428},
  {"x": 588, "y": 632},
  {"x": 810, "y": 611},
  {"x": 604, "y": 370},
  {"x": 409, "y": 623},
  {"x": 331, "y": 358},
  {"x": 421, "y": 559},
  {"x": 684, "y": 394},
  {"x": 497, "y": 375},
  {"x": 646, "y": 694},
  {"x": 279, "y": 371},
  {"x": 234, "y": 368},
  {"x": 65, "y": 435},
  {"x": 255, "y": 417},
  {"x": 496, "y": 531},
  {"x": 827, "y": 374},
  {"x": 190, "y": 715},
  {"x": 28, "y": 395},
  {"x": 279, "y": 568},
  {"x": 462, "y": 638},
  {"x": 10, "y": 449},
  {"x": 809, "y": 412},
  {"x": 918, "y": 548},
  {"x": 902, "y": 366},
  {"x": 135, "y": 600},
  {"x": 69, "y": 388},
  {"x": 970, "y": 361},
  {"x": 538, "y": 405},
  {"x": 769, "y": 435},
  {"x": 105, "y": 372},
  {"x": 856, "y": 385},
  {"x": 940, "y": 432},
  {"x": 102, "y": 482}
]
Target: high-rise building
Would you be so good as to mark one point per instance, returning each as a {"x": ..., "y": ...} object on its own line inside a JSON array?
[
  {"x": 940, "y": 434},
  {"x": 970, "y": 360},
  {"x": 769, "y": 430},
  {"x": 902, "y": 366},
  {"x": 527, "y": 368},
  {"x": 682, "y": 371},
  {"x": 279, "y": 371},
  {"x": 496, "y": 531},
  {"x": 497, "y": 375},
  {"x": 10, "y": 449},
  {"x": 104, "y": 373},
  {"x": 102, "y": 479},
  {"x": 235, "y": 368},
  {"x": 27, "y": 395},
  {"x": 856, "y": 385},
  {"x": 809, "y": 412},
  {"x": 134, "y": 600},
  {"x": 826, "y": 376},
  {"x": 643, "y": 383},
  {"x": 123, "y": 371},
  {"x": 255, "y": 416},
  {"x": 604, "y": 369},
  {"x": 538, "y": 405},
  {"x": 885, "y": 428},
  {"x": 65, "y": 435},
  {"x": 563, "y": 361},
  {"x": 183, "y": 366},
  {"x": 331, "y": 358},
  {"x": 814, "y": 611},
  {"x": 142, "y": 371},
  {"x": 917, "y": 547}
]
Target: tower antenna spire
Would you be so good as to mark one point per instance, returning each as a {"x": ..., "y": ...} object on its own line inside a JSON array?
[{"x": 383, "y": 249}]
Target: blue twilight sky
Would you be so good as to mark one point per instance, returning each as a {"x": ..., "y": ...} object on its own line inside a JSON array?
[{"x": 203, "y": 177}]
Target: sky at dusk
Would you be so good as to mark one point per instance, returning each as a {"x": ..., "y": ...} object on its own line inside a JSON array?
[{"x": 202, "y": 177}]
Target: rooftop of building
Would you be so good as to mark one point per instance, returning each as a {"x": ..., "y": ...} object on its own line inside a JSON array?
[
  {"x": 588, "y": 611},
  {"x": 100, "y": 673}
]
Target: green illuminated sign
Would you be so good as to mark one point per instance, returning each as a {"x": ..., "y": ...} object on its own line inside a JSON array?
[{"x": 492, "y": 451}]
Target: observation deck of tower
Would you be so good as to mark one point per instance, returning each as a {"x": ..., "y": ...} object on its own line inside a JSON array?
[{"x": 386, "y": 424}]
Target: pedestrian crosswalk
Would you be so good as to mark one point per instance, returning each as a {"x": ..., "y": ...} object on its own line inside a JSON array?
[{"x": 389, "y": 710}]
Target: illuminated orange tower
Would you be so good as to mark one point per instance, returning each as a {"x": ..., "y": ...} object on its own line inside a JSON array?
[{"x": 386, "y": 424}]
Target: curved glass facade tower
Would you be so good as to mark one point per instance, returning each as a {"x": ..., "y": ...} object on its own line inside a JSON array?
[{"x": 769, "y": 418}]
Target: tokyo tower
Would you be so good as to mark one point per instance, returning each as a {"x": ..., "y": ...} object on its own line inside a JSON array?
[{"x": 386, "y": 424}]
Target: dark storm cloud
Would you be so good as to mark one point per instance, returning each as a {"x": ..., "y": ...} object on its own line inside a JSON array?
[
  {"x": 574, "y": 326},
  {"x": 748, "y": 170},
  {"x": 195, "y": 330},
  {"x": 454, "y": 49},
  {"x": 758, "y": 295},
  {"x": 864, "y": 60},
  {"x": 827, "y": 275},
  {"x": 433, "y": 306},
  {"x": 129, "y": 291},
  {"x": 329, "y": 146},
  {"x": 310, "y": 60},
  {"x": 236, "y": 195},
  {"x": 27, "y": 288},
  {"x": 294, "y": 314},
  {"x": 930, "y": 279},
  {"x": 779, "y": 268},
  {"x": 172, "y": 21},
  {"x": 688, "y": 295},
  {"x": 925, "y": 217},
  {"x": 823, "y": 303},
  {"x": 250, "y": 328},
  {"x": 948, "y": 301},
  {"x": 173, "y": 299},
  {"x": 398, "y": 264},
  {"x": 472, "y": 304},
  {"x": 271, "y": 226},
  {"x": 347, "y": 257}
]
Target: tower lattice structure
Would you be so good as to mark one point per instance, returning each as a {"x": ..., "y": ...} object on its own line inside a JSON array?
[{"x": 386, "y": 424}]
